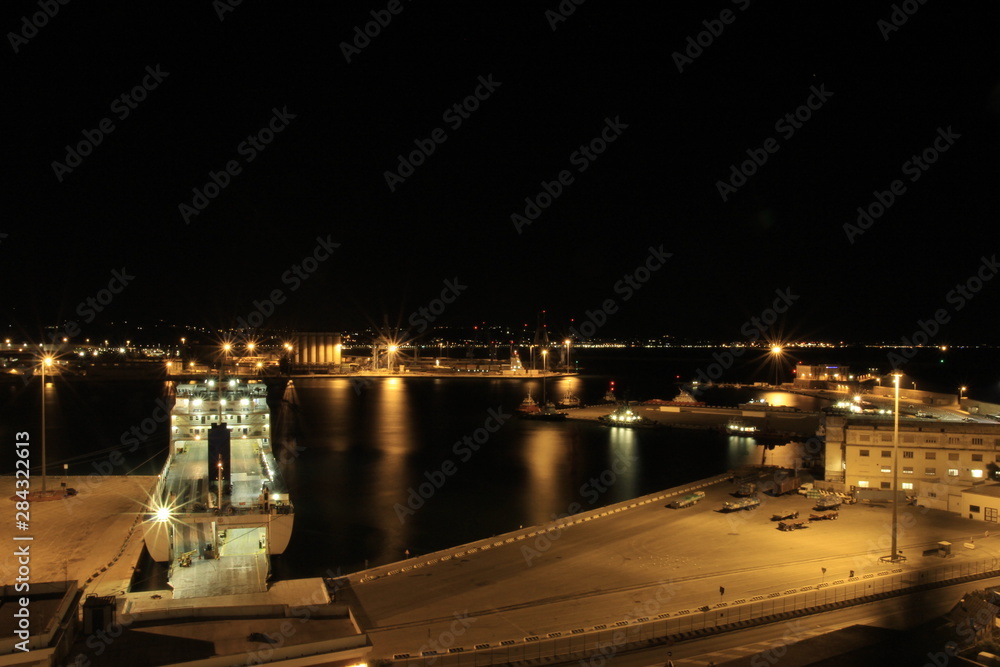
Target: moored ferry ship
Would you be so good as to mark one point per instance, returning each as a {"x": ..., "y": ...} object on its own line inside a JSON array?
[{"x": 221, "y": 497}]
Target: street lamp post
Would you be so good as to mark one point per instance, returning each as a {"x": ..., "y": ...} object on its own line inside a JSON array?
[
  {"x": 569, "y": 369},
  {"x": 961, "y": 395},
  {"x": 545, "y": 357},
  {"x": 895, "y": 469},
  {"x": 46, "y": 361}
]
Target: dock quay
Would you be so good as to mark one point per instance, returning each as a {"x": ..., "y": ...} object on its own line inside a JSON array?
[
  {"x": 798, "y": 423},
  {"x": 638, "y": 573},
  {"x": 85, "y": 548},
  {"x": 629, "y": 575}
]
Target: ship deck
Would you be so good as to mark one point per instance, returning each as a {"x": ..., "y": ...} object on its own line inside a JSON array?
[{"x": 187, "y": 478}]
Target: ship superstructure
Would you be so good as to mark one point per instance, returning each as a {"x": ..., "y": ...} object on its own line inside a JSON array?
[{"x": 220, "y": 500}]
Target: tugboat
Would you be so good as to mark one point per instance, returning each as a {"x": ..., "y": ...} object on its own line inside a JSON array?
[
  {"x": 737, "y": 427},
  {"x": 529, "y": 406},
  {"x": 609, "y": 395},
  {"x": 624, "y": 416},
  {"x": 547, "y": 412},
  {"x": 570, "y": 401},
  {"x": 529, "y": 409}
]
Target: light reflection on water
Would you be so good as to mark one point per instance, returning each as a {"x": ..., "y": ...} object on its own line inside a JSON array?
[
  {"x": 370, "y": 482},
  {"x": 389, "y": 475}
]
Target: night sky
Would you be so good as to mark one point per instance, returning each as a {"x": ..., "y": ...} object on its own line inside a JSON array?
[{"x": 215, "y": 80}]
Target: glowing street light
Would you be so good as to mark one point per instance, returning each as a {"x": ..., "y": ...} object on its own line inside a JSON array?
[
  {"x": 776, "y": 351},
  {"x": 391, "y": 349},
  {"x": 46, "y": 363},
  {"x": 569, "y": 368},
  {"x": 545, "y": 357},
  {"x": 961, "y": 393}
]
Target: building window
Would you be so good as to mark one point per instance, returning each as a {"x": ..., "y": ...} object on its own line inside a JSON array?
[
  {"x": 973, "y": 508},
  {"x": 977, "y": 457},
  {"x": 930, "y": 456},
  {"x": 930, "y": 471},
  {"x": 952, "y": 456},
  {"x": 978, "y": 474},
  {"x": 864, "y": 452},
  {"x": 907, "y": 470},
  {"x": 930, "y": 440},
  {"x": 886, "y": 468},
  {"x": 885, "y": 485},
  {"x": 907, "y": 485},
  {"x": 886, "y": 453},
  {"x": 907, "y": 455},
  {"x": 886, "y": 437},
  {"x": 863, "y": 483},
  {"x": 865, "y": 438},
  {"x": 953, "y": 439},
  {"x": 952, "y": 472},
  {"x": 977, "y": 441}
]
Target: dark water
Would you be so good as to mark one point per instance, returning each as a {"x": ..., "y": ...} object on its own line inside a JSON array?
[{"x": 383, "y": 467}]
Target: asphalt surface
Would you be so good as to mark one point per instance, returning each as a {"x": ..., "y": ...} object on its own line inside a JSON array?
[{"x": 600, "y": 571}]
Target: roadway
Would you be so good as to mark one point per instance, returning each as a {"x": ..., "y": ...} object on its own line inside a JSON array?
[
  {"x": 599, "y": 571},
  {"x": 810, "y": 639}
]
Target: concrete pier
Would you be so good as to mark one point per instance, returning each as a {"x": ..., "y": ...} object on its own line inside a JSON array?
[
  {"x": 637, "y": 570},
  {"x": 627, "y": 565}
]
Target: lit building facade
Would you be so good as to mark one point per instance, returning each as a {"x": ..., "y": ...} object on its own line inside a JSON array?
[
  {"x": 942, "y": 464},
  {"x": 823, "y": 376}
]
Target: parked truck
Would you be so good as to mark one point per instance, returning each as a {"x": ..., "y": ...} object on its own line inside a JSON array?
[
  {"x": 743, "y": 504},
  {"x": 687, "y": 500},
  {"x": 785, "y": 485}
]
